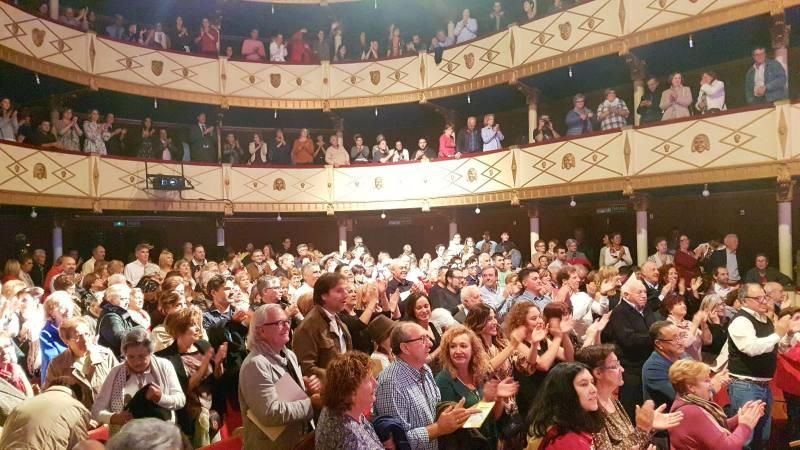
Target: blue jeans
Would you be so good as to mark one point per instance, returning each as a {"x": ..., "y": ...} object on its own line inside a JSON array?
[
  {"x": 793, "y": 410},
  {"x": 740, "y": 392}
]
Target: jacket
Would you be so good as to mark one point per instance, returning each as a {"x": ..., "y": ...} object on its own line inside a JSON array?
[
  {"x": 102, "y": 361},
  {"x": 316, "y": 345},
  {"x": 114, "y": 322},
  {"x": 770, "y": 274},
  {"x": 631, "y": 332},
  {"x": 774, "y": 80},
  {"x": 259, "y": 373}
]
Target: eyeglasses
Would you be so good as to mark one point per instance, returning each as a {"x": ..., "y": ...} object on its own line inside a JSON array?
[
  {"x": 671, "y": 341},
  {"x": 421, "y": 338},
  {"x": 760, "y": 298},
  {"x": 78, "y": 336},
  {"x": 280, "y": 323}
]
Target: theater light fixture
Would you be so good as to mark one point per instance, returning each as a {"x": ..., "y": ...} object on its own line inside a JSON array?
[
  {"x": 34, "y": 214},
  {"x": 376, "y": 4},
  {"x": 383, "y": 214},
  {"x": 36, "y": 78},
  {"x": 275, "y": 114},
  {"x": 691, "y": 41},
  {"x": 279, "y": 218},
  {"x": 273, "y": 10},
  {"x": 477, "y": 210},
  {"x": 572, "y": 202},
  {"x": 570, "y": 71},
  {"x": 469, "y": 99},
  {"x": 155, "y": 103},
  {"x": 705, "y": 192},
  {"x": 376, "y": 112}
]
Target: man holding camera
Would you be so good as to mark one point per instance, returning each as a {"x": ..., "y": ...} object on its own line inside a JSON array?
[{"x": 545, "y": 131}]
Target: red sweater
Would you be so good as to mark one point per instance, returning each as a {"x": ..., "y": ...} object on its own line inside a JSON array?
[
  {"x": 699, "y": 431},
  {"x": 569, "y": 441},
  {"x": 787, "y": 375},
  {"x": 447, "y": 146}
]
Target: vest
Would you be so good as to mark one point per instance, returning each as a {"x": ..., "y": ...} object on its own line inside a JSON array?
[{"x": 760, "y": 366}]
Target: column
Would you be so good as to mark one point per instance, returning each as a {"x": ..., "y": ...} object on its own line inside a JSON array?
[
  {"x": 219, "y": 135},
  {"x": 58, "y": 240},
  {"x": 780, "y": 32},
  {"x": 220, "y": 234},
  {"x": 452, "y": 228},
  {"x": 638, "y": 92},
  {"x": 533, "y": 117},
  {"x": 53, "y": 6},
  {"x": 638, "y": 69},
  {"x": 533, "y": 219},
  {"x": 342, "y": 223},
  {"x": 784, "y": 195},
  {"x": 640, "y": 203}
]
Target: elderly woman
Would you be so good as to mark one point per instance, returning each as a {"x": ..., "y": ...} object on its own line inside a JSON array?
[
  {"x": 466, "y": 375},
  {"x": 136, "y": 309},
  {"x": 352, "y": 392},
  {"x": 141, "y": 370},
  {"x": 84, "y": 361},
  {"x": 198, "y": 370},
  {"x": 168, "y": 302},
  {"x": 114, "y": 321},
  {"x": 705, "y": 425},
  {"x": 694, "y": 333},
  {"x": 13, "y": 381},
  {"x": 57, "y": 309}
]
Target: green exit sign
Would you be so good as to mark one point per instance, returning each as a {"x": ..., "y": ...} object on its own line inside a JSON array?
[{"x": 119, "y": 224}]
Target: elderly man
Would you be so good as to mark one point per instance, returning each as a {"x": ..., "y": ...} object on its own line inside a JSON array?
[
  {"x": 98, "y": 254},
  {"x": 490, "y": 293},
  {"x": 533, "y": 292},
  {"x": 399, "y": 281},
  {"x": 470, "y": 298},
  {"x": 134, "y": 271},
  {"x": 145, "y": 434},
  {"x": 407, "y": 391},
  {"x": 629, "y": 329},
  {"x": 762, "y": 273},
  {"x": 655, "y": 292},
  {"x": 39, "y": 270},
  {"x": 728, "y": 258},
  {"x": 466, "y": 28},
  {"x": 311, "y": 273},
  {"x": 114, "y": 321},
  {"x": 269, "y": 374},
  {"x": 765, "y": 81},
  {"x": 69, "y": 267},
  {"x": 198, "y": 260}
]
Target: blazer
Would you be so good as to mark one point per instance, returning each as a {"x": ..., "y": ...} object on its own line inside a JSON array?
[
  {"x": 630, "y": 330},
  {"x": 774, "y": 80},
  {"x": 102, "y": 361},
  {"x": 260, "y": 370},
  {"x": 720, "y": 259},
  {"x": 316, "y": 345},
  {"x": 202, "y": 147}
]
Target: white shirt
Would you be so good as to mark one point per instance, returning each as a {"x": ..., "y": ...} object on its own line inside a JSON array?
[
  {"x": 88, "y": 266},
  {"x": 722, "y": 291},
  {"x": 135, "y": 271},
  {"x": 277, "y": 53},
  {"x": 714, "y": 95},
  {"x": 732, "y": 265},
  {"x": 465, "y": 33},
  {"x": 334, "y": 327},
  {"x": 758, "y": 76},
  {"x": 743, "y": 334},
  {"x": 303, "y": 289},
  {"x": 582, "y": 307},
  {"x": 661, "y": 260}
]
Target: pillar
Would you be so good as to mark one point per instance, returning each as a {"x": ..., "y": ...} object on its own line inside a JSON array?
[
  {"x": 638, "y": 70},
  {"x": 452, "y": 228},
  {"x": 533, "y": 117},
  {"x": 53, "y": 6},
  {"x": 58, "y": 241},
  {"x": 533, "y": 220},
  {"x": 342, "y": 235},
  {"x": 640, "y": 205},
  {"x": 219, "y": 136},
  {"x": 784, "y": 195},
  {"x": 638, "y": 92},
  {"x": 780, "y": 32}
]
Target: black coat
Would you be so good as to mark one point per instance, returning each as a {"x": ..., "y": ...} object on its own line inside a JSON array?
[
  {"x": 630, "y": 331},
  {"x": 202, "y": 147}
]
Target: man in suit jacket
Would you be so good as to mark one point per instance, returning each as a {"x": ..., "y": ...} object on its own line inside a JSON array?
[
  {"x": 649, "y": 275},
  {"x": 322, "y": 335},
  {"x": 470, "y": 298},
  {"x": 269, "y": 361},
  {"x": 766, "y": 80},
  {"x": 202, "y": 141},
  {"x": 629, "y": 329},
  {"x": 728, "y": 257}
]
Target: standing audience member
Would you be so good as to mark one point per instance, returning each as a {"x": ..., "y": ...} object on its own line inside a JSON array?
[
  {"x": 466, "y": 29},
  {"x": 580, "y": 118},
  {"x": 95, "y": 134},
  {"x": 765, "y": 81},
  {"x": 447, "y": 143},
  {"x": 491, "y": 135},
  {"x": 207, "y": 40},
  {"x": 469, "y": 139},
  {"x": 613, "y": 112},
  {"x": 114, "y": 321},
  {"x": 277, "y": 49},
  {"x": 787, "y": 376},
  {"x": 57, "y": 308},
  {"x": 676, "y": 100},
  {"x": 544, "y": 130},
  {"x": 711, "y": 96},
  {"x": 253, "y": 48},
  {"x": 69, "y": 132},
  {"x": 303, "y": 149},
  {"x": 650, "y": 105},
  {"x": 9, "y": 123},
  {"x": 202, "y": 140}
]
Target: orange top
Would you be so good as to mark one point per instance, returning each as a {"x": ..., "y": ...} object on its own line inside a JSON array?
[{"x": 302, "y": 152}]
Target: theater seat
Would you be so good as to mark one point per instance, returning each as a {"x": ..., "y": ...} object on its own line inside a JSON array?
[
  {"x": 234, "y": 443},
  {"x": 99, "y": 434}
]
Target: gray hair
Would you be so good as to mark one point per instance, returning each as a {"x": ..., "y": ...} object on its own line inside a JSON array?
[
  {"x": 147, "y": 434},
  {"x": 136, "y": 336},
  {"x": 710, "y": 302},
  {"x": 259, "y": 318},
  {"x": 399, "y": 335},
  {"x": 117, "y": 278},
  {"x": 570, "y": 241},
  {"x": 466, "y": 291},
  {"x": 577, "y": 98},
  {"x": 116, "y": 291}
]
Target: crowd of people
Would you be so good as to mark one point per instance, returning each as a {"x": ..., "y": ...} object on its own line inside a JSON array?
[{"x": 465, "y": 347}]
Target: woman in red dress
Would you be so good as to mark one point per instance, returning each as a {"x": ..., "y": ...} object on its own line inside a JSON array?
[{"x": 686, "y": 261}]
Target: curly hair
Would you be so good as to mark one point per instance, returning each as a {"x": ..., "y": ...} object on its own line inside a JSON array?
[
  {"x": 594, "y": 356},
  {"x": 517, "y": 317},
  {"x": 557, "y": 404},
  {"x": 344, "y": 375},
  {"x": 663, "y": 273},
  {"x": 477, "y": 320},
  {"x": 479, "y": 366}
]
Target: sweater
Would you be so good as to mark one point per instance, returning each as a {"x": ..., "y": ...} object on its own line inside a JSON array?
[{"x": 699, "y": 431}]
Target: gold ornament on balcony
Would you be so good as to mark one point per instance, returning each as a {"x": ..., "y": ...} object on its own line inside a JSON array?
[
  {"x": 39, "y": 171},
  {"x": 566, "y": 30},
  {"x": 157, "y": 67},
  {"x": 375, "y": 77},
  {"x": 568, "y": 161},
  {"x": 275, "y": 79},
  {"x": 472, "y": 175},
  {"x": 378, "y": 183},
  {"x": 279, "y": 185},
  {"x": 469, "y": 60},
  {"x": 701, "y": 144},
  {"x": 37, "y": 35},
  {"x": 128, "y": 63}
]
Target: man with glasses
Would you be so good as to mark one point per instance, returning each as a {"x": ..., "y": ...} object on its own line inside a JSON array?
[
  {"x": 263, "y": 378},
  {"x": 752, "y": 345},
  {"x": 257, "y": 267},
  {"x": 668, "y": 348},
  {"x": 765, "y": 81},
  {"x": 407, "y": 391}
]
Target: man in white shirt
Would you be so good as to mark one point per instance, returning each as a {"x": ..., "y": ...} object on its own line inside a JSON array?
[
  {"x": 311, "y": 273},
  {"x": 98, "y": 254},
  {"x": 277, "y": 49},
  {"x": 134, "y": 271},
  {"x": 721, "y": 284},
  {"x": 466, "y": 29}
]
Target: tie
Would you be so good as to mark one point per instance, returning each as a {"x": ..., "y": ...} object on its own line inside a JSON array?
[{"x": 202, "y": 128}]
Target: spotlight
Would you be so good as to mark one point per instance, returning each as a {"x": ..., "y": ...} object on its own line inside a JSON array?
[
  {"x": 383, "y": 215},
  {"x": 705, "y": 192},
  {"x": 477, "y": 210},
  {"x": 273, "y": 9},
  {"x": 34, "y": 214},
  {"x": 469, "y": 99},
  {"x": 275, "y": 115},
  {"x": 376, "y": 112},
  {"x": 570, "y": 71},
  {"x": 572, "y": 202},
  {"x": 279, "y": 218},
  {"x": 36, "y": 78},
  {"x": 691, "y": 41},
  {"x": 155, "y": 103}
]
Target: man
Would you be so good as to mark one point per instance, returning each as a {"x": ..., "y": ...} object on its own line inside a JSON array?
[
  {"x": 43, "y": 136},
  {"x": 470, "y": 298},
  {"x": 359, "y": 153},
  {"x": 310, "y": 273},
  {"x": 491, "y": 135},
  {"x": 441, "y": 41},
  {"x": 269, "y": 362},
  {"x": 69, "y": 267},
  {"x": 114, "y": 137},
  {"x": 762, "y": 273},
  {"x": 655, "y": 292},
  {"x": 399, "y": 281},
  {"x": 721, "y": 284},
  {"x": 629, "y": 328},
  {"x": 424, "y": 151},
  {"x": 202, "y": 140},
  {"x": 544, "y": 130},
  {"x": 649, "y": 109},
  {"x": 560, "y": 261},
  {"x": 486, "y": 244},
  {"x": 449, "y": 297},
  {"x": 220, "y": 312},
  {"x": 134, "y": 271},
  {"x": 336, "y": 155},
  {"x": 39, "y": 270},
  {"x": 490, "y": 292},
  {"x": 466, "y": 29},
  {"x": 285, "y": 266},
  {"x": 323, "y": 327},
  {"x": 503, "y": 266},
  {"x": 257, "y": 267},
  {"x": 728, "y": 258},
  {"x": 613, "y": 112},
  {"x": 752, "y": 357},
  {"x": 668, "y": 348},
  {"x": 497, "y": 18},
  {"x": 198, "y": 259},
  {"x": 98, "y": 254},
  {"x": 533, "y": 292},
  {"x": 277, "y": 49},
  {"x": 766, "y": 80},
  {"x": 573, "y": 253},
  {"x": 117, "y": 29},
  {"x": 407, "y": 391},
  {"x": 472, "y": 277},
  {"x": 778, "y": 299},
  {"x": 303, "y": 256},
  {"x": 52, "y": 420},
  {"x": 469, "y": 139},
  {"x": 484, "y": 261},
  {"x": 286, "y": 245},
  {"x": 440, "y": 260}
]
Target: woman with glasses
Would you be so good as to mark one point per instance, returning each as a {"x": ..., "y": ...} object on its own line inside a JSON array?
[
  {"x": 617, "y": 430},
  {"x": 717, "y": 323},
  {"x": 114, "y": 322},
  {"x": 84, "y": 361},
  {"x": 57, "y": 309},
  {"x": 694, "y": 333}
]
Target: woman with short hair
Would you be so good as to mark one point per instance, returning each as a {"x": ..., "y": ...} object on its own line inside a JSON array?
[
  {"x": 168, "y": 303},
  {"x": 717, "y": 322},
  {"x": 114, "y": 322},
  {"x": 694, "y": 333},
  {"x": 57, "y": 309}
]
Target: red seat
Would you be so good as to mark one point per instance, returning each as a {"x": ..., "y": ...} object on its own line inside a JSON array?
[
  {"x": 234, "y": 443},
  {"x": 99, "y": 434}
]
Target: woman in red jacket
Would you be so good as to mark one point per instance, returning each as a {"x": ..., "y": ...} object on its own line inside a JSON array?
[{"x": 447, "y": 143}]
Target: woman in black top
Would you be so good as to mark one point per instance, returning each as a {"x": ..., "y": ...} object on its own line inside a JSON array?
[
  {"x": 714, "y": 306},
  {"x": 280, "y": 152}
]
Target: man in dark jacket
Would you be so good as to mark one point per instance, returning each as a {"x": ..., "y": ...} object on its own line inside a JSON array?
[
  {"x": 469, "y": 139},
  {"x": 202, "y": 141},
  {"x": 649, "y": 108}
]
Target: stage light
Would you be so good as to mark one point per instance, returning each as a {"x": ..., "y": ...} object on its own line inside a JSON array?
[
  {"x": 34, "y": 214},
  {"x": 477, "y": 210},
  {"x": 273, "y": 9},
  {"x": 376, "y": 111},
  {"x": 691, "y": 41},
  {"x": 705, "y": 192},
  {"x": 279, "y": 218},
  {"x": 383, "y": 215},
  {"x": 275, "y": 114},
  {"x": 570, "y": 71},
  {"x": 155, "y": 103},
  {"x": 572, "y": 202},
  {"x": 469, "y": 99},
  {"x": 36, "y": 78}
]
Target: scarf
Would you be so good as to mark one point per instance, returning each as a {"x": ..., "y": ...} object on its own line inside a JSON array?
[
  {"x": 708, "y": 406},
  {"x": 8, "y": 373}
]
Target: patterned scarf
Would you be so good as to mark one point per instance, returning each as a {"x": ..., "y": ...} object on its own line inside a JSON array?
[
  {"x": 708, "y": 406},
  {"x": 118, "y": 390}
]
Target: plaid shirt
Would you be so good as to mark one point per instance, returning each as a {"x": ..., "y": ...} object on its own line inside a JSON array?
[
  {"x": 613, "y": 120},
  {"x": 410, "y": 396}
]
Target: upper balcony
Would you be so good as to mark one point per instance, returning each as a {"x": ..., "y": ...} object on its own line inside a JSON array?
[{"x": 585, "y": 32}]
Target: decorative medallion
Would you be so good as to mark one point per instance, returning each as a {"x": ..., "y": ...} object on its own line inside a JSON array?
[
  {"x": 63, "y": 174},
  {"x": 472, "y": 175},
  {"x": 302, "y": 185},
  {"x": 353, "y": 79},
  {"x": 450, "y": 66},
  {"x": 15, "y": 29},
  {"x": 128, "y": 63},
  {"x": 469, "y": 60},
  {"x": 37, "y": 35},
  {"x": 566, "y": 30},
  {"x": 662, "y": 3},
  {"x": 279, "y": 184},
  {"x": 275, "y": 79},
  {"x": 568, "y": 161},
  {"x": 185, "y": 72},
  {"x": 60, "y": 45},
  {"x": 666, "y": 148},
  {"x": 375, "y": 77},
  {"x": 251, "y": 79},
  {"x": 590, "y": 23},
  {"x": 299, "y": 81},
  {"x": 398, "y": 75},
  {"x": 39, "y": 171},
  {"x": 157, "y": 67},
  {"x": 737, "y": 138},
  {"x": 701, "y": 143},
  {"x": 542, "y": 38},
  {"x": 378, "y": 183}
]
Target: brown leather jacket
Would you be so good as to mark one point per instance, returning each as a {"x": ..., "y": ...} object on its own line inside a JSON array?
[{"x": 316, "y": 345}]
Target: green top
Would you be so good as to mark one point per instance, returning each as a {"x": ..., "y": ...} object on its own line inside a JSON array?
[{"x": 453, "y": 390}]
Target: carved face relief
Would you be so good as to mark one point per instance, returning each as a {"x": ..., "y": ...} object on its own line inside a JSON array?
[
  {"x": 375, "y": 77},
  {"x": 469, "y": 60},
  {"x": 568, "y": 161},
  {"x": 701, "y": 143},
  {"x": 472, "y": 175},
  {"x": 378, "y": 183},
  {"x": 275, "y": 79},
  {"x": 39, "y": 171},
  {"x": 279, "y": 184},
  {"x": 157, "y": 67},
  {"x": 566, "y": 30}
]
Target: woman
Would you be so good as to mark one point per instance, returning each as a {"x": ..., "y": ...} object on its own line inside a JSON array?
[
  {"x": 26, "y": 267},
  {"x": 279, "y": 152},
  {"x": 341, "y": 54},
  {"x": 94, "y": 131},
  {"x": 395, "y": 43},
  {"x": 57, "y": 309},
  {"x": 14, "y": 384},
  {"x": 145, "y": 150},
  {"x": 165, "y": 262},
  {"x": 705, "y": 425},
  {"x": 711, "y": 97},
  {"x": 357, "y": 320},
  {"x": 9, "y": 125},
  {"x": 418, "y": 310},
  {"x": 319, "y": 151},
  {"x": 686, "y": 261},
  {"x": 714, "y": 308},
  {"x": 136, "y": 309},
  {"x": 694, "y": 333},
  {"x": 232, "y": 152},
  {"x": 615, "y": 254},
  {"x": 303, "y": 149},
  {"x": 447, "y": 142},
  {"x": 141, "y": 370},
  {"x": 661, "y": 257},
  {"x": 566, "y": 412},
  {"x": 529, "y": 10},
  {"x": 579, "y": 119},
  {"x": 84, "y": 361},
  {"x": 534, "y": 355},
  {"x": 69, "y": 132},
  {"x": 617, "y": 431},
  {"x": 168, "y": 303},
  {"x": 198, "y": 369},
  {"x": 379, "y": 331},
  {"x": 465, "y": 374},
  {"x": 258, "y": 151},
  {"x": 184, "y": 268},
  {"x": 349, "y": 394},
  {"x": 180, "y": 39},
  {"x": 114, "y": 321},
  {"x": 11, "y": 271},
  {"x": 675, "y": 101},
  {"x": 540, "y": 247}
]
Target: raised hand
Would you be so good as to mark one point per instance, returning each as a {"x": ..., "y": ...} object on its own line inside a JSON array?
[{"x": 665, "y": 421}]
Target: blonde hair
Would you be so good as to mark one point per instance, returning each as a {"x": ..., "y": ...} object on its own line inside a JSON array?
[
  {"x": 162, "y": 258},
  {"x": 479, "y": 366},
  {"x": 710, "y": 302},
  {"x": 305, "y": 303},
  {"x": 68, "y": 327},
  {"x": 12, "y": 267},
  {"x": 12, "y": 287},
  {"x": 59, "y": 300},
  {"x": 361, "y": 295},
  {"x": 684, "y": 372}
]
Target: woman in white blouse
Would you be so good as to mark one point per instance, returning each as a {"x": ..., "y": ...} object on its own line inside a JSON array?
[
  {"x": 616, "y": 255},
  {"x": 711, "y": 98}
]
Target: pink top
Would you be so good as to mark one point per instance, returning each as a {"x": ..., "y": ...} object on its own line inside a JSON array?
[
  {"x": 253, "y": 50},
  {"x": 447, "y": 146},
  {"x": 699, "y": 431},
  {"x": 569, "y": 441}
]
